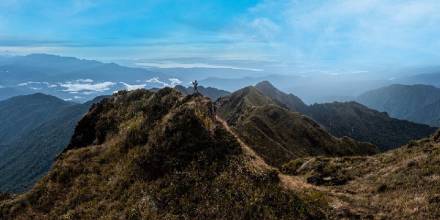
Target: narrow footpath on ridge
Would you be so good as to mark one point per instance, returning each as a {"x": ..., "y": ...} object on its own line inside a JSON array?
[{"x": 294, "y": 183}]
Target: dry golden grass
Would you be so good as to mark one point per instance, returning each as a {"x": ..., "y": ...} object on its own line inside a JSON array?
[
  {"x": 400, "y": 184},
  {"x": 158, "y": 156}
]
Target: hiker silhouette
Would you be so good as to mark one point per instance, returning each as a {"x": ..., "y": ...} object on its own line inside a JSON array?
[{"x": 195, "y": 85}]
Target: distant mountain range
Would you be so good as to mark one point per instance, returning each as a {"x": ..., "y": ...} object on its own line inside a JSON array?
[
  {"x": 418, "y": 103},
  {"x": 72, "y": 79},
  {"x": 353, "y": 120},
  {"x": 428, "y": 76},
  {"x": 79, "y": 80}
]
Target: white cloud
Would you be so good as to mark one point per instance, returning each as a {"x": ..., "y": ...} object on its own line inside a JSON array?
[
  {"x": 167, "y": 65},
  {"x": 173, "y": 82},
  {"x": 353, "y": 31},
  {"x": 133, "y": 87},
  {"x": 81, "y": 86},
  {"x": 85, "y": 80},
  {"x": 359, "y": 71},
  {"x": 154, "y": 80},
  {"x": 29, "y": 83}
]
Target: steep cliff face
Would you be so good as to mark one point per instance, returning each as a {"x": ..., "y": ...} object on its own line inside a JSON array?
[{"x": 145, "y": 155}]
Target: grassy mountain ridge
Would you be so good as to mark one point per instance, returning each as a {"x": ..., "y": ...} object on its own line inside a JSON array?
[
  {"x": 35, "y": 129},
  {"x": 354, "y": 120},
  {"x": 398, "y": 184},
  {"x": 145, "y": 155},
  {"x": 162, "y": 155},
  {"x": 291, "y": 101},
  {"x": 277, "y": 134}
]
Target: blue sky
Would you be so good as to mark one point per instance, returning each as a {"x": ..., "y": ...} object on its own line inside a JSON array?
[{"x": 294, "y": 32}]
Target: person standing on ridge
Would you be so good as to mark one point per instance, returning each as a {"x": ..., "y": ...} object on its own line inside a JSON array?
[{"x": 195, "y": 85}]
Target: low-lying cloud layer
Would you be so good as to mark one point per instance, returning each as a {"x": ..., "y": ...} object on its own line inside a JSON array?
[
  {"x": 86, "y": 86},
  {"x": 172, "y": 82}
]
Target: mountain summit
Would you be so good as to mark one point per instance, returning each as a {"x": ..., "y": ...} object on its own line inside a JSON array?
[
  {"x": 280, "y": 135},
  {"x": 146, "y": 155},
  {"x": 290, "y": 101}
]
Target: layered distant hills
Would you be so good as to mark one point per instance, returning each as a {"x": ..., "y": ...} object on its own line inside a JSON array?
[
  {"x": 418, "y": 103},
  {"x": 34, "y": 129},
  {"x": 353, "y": 120},
  {"x": 79, "y": 80},
  {"x": 71, "y": 78}
]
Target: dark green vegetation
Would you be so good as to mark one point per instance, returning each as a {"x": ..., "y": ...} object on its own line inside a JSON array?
[
  {"x": 145, "y": 155},
  {"x": 418, "y": 103},
  {"x": 34, "y": 129},
  {"x": 279, "y": 135},
  {"x": 361, "y": 123},
  {"x": 399, "y": 184},
  {"x": 353, "y": 120}
]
